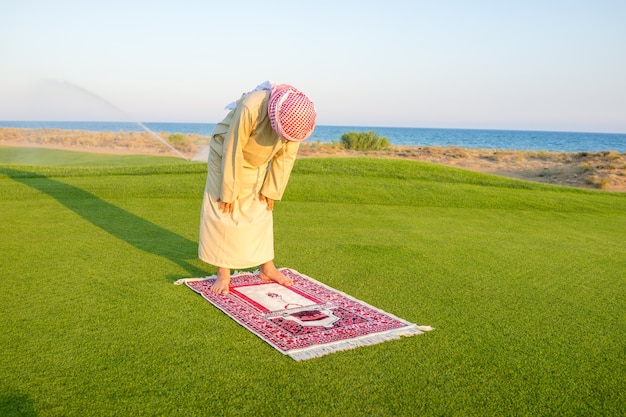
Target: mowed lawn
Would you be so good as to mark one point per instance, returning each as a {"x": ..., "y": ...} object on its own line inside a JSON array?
[{"x": 524, "y": 284}]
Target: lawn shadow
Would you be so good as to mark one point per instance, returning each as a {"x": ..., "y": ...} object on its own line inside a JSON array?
[
  {"x": 15, "y": 403},
  {"x": 130, "y": 228}
]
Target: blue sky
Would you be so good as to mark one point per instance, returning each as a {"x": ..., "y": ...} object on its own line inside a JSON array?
[{"x": 536, "y": 65}]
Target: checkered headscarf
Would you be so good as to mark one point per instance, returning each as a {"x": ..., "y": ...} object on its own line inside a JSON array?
[{"x": 292, "y": 114}]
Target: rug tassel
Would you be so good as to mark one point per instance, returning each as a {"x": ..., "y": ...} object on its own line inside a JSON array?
[
  {"x": 185, "y": 280},
  {"x": 318, "y": 351}
]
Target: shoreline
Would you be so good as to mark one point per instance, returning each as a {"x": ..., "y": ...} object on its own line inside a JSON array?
[{"x": 591, "y": 170}]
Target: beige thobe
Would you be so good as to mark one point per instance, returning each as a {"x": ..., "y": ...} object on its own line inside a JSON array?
[{"x": 246, "y": 158}]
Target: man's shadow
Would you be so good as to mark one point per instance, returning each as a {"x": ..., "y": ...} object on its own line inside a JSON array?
[{"x": 132, "y": 229}]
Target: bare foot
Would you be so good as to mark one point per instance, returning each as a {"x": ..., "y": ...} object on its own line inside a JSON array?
[
  {"x": 222, "y": 282},
  {"x": 268, "y": 272}
]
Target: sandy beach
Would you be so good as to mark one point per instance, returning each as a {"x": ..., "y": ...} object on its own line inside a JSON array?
[{"x": 593, "y": 170}]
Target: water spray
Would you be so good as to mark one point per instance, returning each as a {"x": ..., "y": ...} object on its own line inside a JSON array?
[{"x": 113, "y": 106}]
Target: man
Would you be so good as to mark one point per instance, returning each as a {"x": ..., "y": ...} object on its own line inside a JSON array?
[{"x": 252, "y": 152}]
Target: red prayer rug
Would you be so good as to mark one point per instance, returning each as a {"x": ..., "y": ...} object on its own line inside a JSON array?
[{"x": 306, "y": 320}]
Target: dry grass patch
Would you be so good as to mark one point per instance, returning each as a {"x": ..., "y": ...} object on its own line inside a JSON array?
[{"x": 121, "y": 141}]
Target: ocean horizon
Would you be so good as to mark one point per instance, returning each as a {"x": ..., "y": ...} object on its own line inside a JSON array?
[{"x": 401, "y": 136}]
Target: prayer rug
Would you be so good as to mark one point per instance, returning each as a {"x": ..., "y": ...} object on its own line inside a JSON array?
[{"x": 306, "y": 320}]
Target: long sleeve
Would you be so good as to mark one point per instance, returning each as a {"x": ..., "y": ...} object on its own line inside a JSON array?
[
  {"x": 238, "y": 134},
  {"x": 280, "y": 170}
]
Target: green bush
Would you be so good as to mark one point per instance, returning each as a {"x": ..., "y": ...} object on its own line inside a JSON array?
[
  {"x": 364, "y": 141},
  {"x": 177, "y": 138},
  {"x": 181, "y": 142}
]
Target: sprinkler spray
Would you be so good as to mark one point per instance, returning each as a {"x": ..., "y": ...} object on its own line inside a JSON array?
[{"x": 113, "y": 106}]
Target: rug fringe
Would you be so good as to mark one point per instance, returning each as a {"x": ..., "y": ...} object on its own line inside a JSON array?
[
  {"x": 184, "y": 280},
  {"x": 425, "y": 328},
  {"x": 368, "y": 340}
]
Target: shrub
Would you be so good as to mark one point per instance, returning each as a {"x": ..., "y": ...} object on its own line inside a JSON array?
[
  {"x": 612, "y": 155},
  {"x": 181, "y": 142},
  {"x": 585, "y": 167},
  {"x": 600, "y": 182},
  {"x": 364, "y": 141},
  {"x": 177, "y": 138}
]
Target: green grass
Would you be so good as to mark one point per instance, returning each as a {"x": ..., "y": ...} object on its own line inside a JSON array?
[
  {"x": 523, "y": 282},
  {"x": 42, "y": 156}
]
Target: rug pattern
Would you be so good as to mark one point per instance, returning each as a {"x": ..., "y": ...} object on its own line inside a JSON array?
[{"x": 306, "y": 320}]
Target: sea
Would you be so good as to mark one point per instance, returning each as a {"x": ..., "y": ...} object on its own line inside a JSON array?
[{"x": 463, "y": 138}]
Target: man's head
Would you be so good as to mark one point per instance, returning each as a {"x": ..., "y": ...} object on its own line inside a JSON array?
[{"x": 292, "y": 114}]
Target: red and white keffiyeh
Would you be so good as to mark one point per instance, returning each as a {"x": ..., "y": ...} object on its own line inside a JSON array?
[{"x": 292, "y": 114}]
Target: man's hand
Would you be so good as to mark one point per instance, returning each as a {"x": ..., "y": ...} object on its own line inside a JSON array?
[
  {"x": 270, "y": 202},
  {"x": 226, "y": 208}
]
